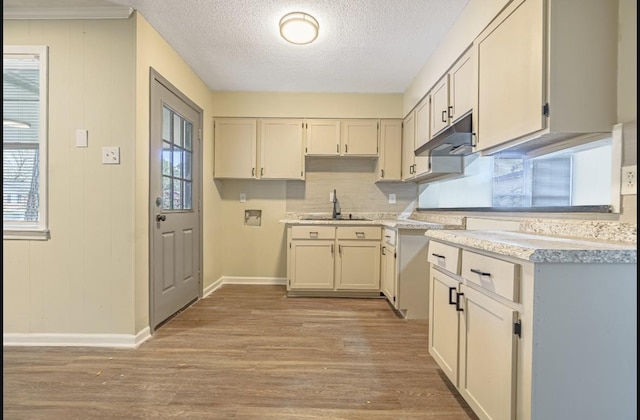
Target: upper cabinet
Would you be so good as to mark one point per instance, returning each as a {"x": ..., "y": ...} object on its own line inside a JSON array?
[
  {"x": 348, "y": 137},
  {"x": 278, "y": 142},
  {"x": 281, "y": 149},
  {"x": 546, "y": 70},
  {"x": 235, "y": 146},
  {"x": 452, "y": 96},
  {"x": 323, "y": 137},
  {"x": 388, "y": 167},
  {"x": 423, "y": 129},
  {"x": 360, "y": 137}
]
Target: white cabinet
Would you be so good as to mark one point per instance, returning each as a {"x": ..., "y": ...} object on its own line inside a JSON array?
[
  {"x": 452, "y": 96},
  {"x": 281, "y": 149},
  {"x": 471, "y": 334},
  {"x": 235, "y": 145},
  {"x": 405, "y": 272},
  {"x": 534, "y": 340},
  {"x": 423, "y": 129},
  {"x": 359, "y": 137},
  {"x": 323, "y": 137},
  {"x": 546, "y": 70},
  {"x": 347, "y": 137},
  {"x": 412, "y": 166},
  {"x": 389, "y": 164},
  {"x": 334, "y": 259},
  {"x": 278, "y": 142}
]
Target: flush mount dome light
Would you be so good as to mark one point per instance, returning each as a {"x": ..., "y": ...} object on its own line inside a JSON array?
[{"x": 299, "y": 28}]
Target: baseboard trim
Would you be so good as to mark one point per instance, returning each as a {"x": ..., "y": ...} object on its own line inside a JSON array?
[
  {"x": 121, "y": 340},
  {"x": 254, "y": 280},
  {"x": 127, "y": 341}
]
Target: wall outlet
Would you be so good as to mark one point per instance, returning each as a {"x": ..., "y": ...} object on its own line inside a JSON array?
[
  {"x": 243, "y": 197},
  {"x": 392, "y": 199},
  {"x": 111, "y": 155},
  {"x": 629, "y": 180}
]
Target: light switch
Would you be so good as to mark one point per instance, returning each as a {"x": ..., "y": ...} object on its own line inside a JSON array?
[
  {"x": 82, "y": 138},
  {"x": 111, "y": 155},
  {"x": 392, "y": 199}
]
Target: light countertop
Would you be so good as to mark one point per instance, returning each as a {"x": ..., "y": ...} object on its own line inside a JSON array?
[
  {"x": 540, "y": 248},
  {"x": 374, "y": 219}
]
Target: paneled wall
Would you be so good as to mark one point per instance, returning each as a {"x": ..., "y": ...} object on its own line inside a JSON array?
[{"x": 82, "y": 279}]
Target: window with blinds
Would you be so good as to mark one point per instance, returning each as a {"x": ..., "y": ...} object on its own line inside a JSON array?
[{"x": 24, "y": 138}]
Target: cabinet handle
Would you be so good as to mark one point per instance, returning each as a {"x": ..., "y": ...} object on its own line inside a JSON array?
[
  {"x": 451, "y": 301},
  {"x": 346, "y": 148},
  {"x": 340, "y": 249},
  {"x": 313, "y": 234},
  {"x": 360, "y": 235},
  {"x": 383, "y": 249},
  {"x": 444, "y": 116},
  {"x": 450, "y": 111},
  {"x": 415, "y": 167},
  {"x": 253, "y": 171},
  {"x": 458, "y": 308},
  {"x": 261, "y": 171},
  {"x": 332, "y": 248},
  {"x": 381, "y": 173},
  {"x": 482, "y": 273},
  {"x": 438, "y": 256},
  {"x": 337, "y": 148}
]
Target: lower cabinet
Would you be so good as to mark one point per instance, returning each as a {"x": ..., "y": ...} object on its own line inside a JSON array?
[
  {"x": 471, "y": 335},
  {"x": 336, "y": 259},
  {"x": 404, "y": 272}
]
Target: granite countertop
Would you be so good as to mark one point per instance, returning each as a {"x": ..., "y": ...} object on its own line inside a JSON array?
[
  {"x": 540, "y": 248},
  {"x": 390, "y": 220}
]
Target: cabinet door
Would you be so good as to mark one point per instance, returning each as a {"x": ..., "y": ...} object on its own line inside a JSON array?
[
  {"x": 281, "y": 149},
  {"x": 358, "y": 265},
  {"x": 510, "y": 77},
  {"x": 390, "y": 158},
  {"x": 443, "y": 323},
  {"x": 359, "y": 138},
  {"x": 422, "y": 122},
  {"x": 235, "y": 141},
  {"x": 312, "y": 264},
  {"x": 323, "y": 137},
  {"x": 440, "y": 105},
  {"x": 408, "y": 151},
  {"x": 388, "y": 274},
  {"x": 487, "y": 355},
  {"x": 461, "y": 87}
]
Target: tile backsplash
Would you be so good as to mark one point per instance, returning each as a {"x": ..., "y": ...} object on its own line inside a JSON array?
[{"x": 354, "y": 180}]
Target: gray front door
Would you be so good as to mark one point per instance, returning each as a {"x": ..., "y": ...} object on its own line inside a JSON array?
[{"x": 175, "y": 195}]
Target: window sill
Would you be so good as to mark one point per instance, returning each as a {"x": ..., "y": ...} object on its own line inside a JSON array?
[{"x": 26, "y": 234}]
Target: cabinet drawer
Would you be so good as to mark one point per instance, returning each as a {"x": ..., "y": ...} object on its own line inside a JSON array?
[
  {"x": 359, "y": 232},
  {"x": 444, "y": 256},
  {"x": 498, "y": 276},
  {"x": 313, "y": 232},
  {"x": 390, "y": 237}
]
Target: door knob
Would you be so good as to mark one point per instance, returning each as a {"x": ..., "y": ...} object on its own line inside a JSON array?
[{"x": 160, "y": 217}]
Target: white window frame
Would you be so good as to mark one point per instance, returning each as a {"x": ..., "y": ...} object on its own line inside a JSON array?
[{"x": 35, "y": 230}]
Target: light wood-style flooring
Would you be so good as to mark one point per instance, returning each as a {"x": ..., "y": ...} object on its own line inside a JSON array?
[{"x": 244, "y": 352}]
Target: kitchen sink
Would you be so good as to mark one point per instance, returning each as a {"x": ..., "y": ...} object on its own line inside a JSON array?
[{"x": 329, "y": 218}]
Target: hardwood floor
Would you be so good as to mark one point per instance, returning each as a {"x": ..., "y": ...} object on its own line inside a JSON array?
[{"x": 244, "y": 352}]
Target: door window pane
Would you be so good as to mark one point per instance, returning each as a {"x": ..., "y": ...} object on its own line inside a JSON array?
[{"x": 177, "y": 161}]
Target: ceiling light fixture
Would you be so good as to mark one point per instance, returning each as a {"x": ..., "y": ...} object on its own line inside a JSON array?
[{"x": 299, "y": 28}]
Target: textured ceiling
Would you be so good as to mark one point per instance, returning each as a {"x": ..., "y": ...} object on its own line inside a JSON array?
[{"x": 373, "y": 46}]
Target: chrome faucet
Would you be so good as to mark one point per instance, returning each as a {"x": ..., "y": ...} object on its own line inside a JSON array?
[{"x": 336, "y": 207}]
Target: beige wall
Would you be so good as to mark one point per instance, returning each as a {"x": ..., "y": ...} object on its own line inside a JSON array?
[
  {"x": 153, "y": 51},
  {"x": 82, "y": 279}
]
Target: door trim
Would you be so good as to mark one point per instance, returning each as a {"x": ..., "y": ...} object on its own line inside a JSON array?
[{"x": 156, "y": 77}]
